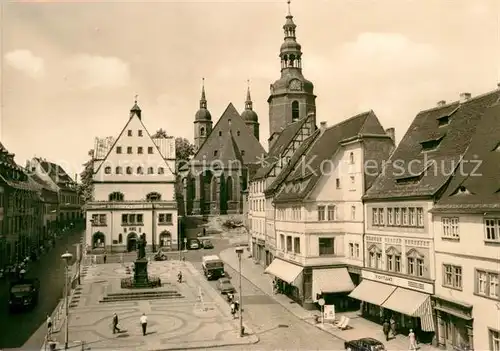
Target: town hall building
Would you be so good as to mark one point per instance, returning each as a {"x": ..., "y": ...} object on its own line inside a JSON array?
[{"x": 133, "y": 190}]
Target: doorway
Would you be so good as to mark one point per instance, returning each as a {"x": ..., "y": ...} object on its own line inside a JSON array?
[{"x": 132, "y": 242}]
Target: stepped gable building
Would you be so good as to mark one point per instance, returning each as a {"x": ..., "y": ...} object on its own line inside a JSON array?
[
  {"x": 292, "y": 119},
  {"x": 319, "y": 210},
  {"x": 134, "y": 191},
  {"x": 399, "y": 244},
  {"x": 466, "y": 228},
  {"x": 226, "y": 156}
]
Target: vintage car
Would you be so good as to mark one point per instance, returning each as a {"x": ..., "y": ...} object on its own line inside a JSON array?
[
  {"x": 224, "y": 285},
  {"x": 364, "y": 344},
  {"x": 207, "y": 244},
  {"x": 23, "y": 294}
]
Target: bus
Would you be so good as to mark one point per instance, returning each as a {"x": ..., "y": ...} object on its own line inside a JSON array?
[{"x": 213, "y": 267}]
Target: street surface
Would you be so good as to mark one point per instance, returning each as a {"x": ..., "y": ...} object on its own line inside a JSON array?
[{"x": 16, "y": 329}]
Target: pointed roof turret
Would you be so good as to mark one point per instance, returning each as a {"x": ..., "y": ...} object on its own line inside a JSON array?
[
  {"x": 135, "y": 110},
  {"x": 249, "y": 114},
  {"x": 203, "y": 114}
]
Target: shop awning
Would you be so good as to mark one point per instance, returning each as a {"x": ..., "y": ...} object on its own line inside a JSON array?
[
  {"x": 331, "y": 280},
  {"x": 412, "y": 303},
  {"x": 285, "y": 271},
  {"x": 372, "y": 292}
]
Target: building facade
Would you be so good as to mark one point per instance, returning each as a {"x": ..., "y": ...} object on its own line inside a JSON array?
[
  {"x": 49, "y": 207},
  {"x": 467, "y": 246},
  {"x": 134, "y": 191},
  {"x": 399, "y": 242}
]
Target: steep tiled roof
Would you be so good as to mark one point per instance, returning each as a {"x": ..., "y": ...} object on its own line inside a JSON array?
[
  {"x": 284, "y": 139},
  {"x": 412, "y": 171},
  {"x": 476, "y": 183},
  {"x": 323, "y": 148},
  {"x": 235, "y": 138},
  {"x": 56, "y": 173}
]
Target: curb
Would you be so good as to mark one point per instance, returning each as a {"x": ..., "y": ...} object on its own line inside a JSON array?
[
  {"x": 257, "y": 339},
  {"x": 284, "y": 306}
]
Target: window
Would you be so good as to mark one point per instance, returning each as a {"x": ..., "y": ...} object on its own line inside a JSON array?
[
  {"x": 282, "y": 242},
  {"x": 150, "y": 170},
  {"x": 488, "y": 284},
  {"x": 98, "y": 220},
  {"x": 351, "y": 158},
  {"x": 153, "y": 197},
  {"x": 381, "y": 216},
  {"x": 397, "y": 263},
  {"x": 375, "y": 216},
  {"x": 107, "y": 170},
  {"x": 351, "y": 249},
  {"x": 321, "y": 213},
  {"x": 337, "y": 182},
  {"x": 411, "y": 266},
  {"x": 295, "y": 111},
  {"x": 165, "y": 218},
  {"x": 140, "y": 219},
  {"x": 124, "y": 218},
  {"x": 492, "y": 229},
  {"x": 161, "y": 170},
  {"x": 120, "y": 238},
  {"x": 129, "y": 170},
  {"x": 118, "y": 149},
  {"x": 215, "y": 152},
  {"x": 139, "y": 170},
  {"x": 139, "y": 149},
  {"x": 129, "y": 132},
  {"x": 296, "y": 245},
  {"x": 413, "y": 216},
  {"x": 150, "y": 149},
  {"x": 115, "y": 196},
  {"x": 220, "y": 133},
  {"x": 452, "y": 276},
  {"x": 494, "y": 340},
  {"x": 420, "y": 267},
  {"x": 371, "y": 260},
  {"x": 139, "y": 132},
  {"x": 390, "y": 263},
  {"x": 353, "y": 180},
  {"x": 397, "y": 216},
  {"x": 420, "y": 217},
  {"x": 326, "y": 246},
  {"x": 390, "y": 217},
  {"x": 238, "y": 133},
  {"x": 118, "y": 170},
  {"x": 404, "y": 214},
  {"x": 354, "y": 250},
  {"x": 353, "y": 212},
  {"x": 450, "y": 227},
  {"x": 331, "y": 213},
  {"x": 242, "y": 152},
  {"x": 129, "y": 149},
  {"x": 415, "y": 263},
  {"x": 289, "y": 243}
]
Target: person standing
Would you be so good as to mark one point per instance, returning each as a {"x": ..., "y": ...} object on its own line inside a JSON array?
[
  {"x": 115, "y": 324},
  {"x": 386, "y": 327},
  {"x": 393, "y": 326},
  {"x": 144, "y": 323},
  {"x": 104, "y": 257},
  {"x": 413, "y": 340},
  {"x": 49, "y": 325}
]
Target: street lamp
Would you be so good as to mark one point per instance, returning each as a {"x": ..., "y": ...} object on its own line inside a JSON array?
[
  {"x": 67, "y": 258},
  {"x": 239, "y": 251}
]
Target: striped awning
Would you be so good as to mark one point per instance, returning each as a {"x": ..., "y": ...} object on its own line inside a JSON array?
[
  {"x": 412, "y": 303},
  {"x": 372, "y": 292}
]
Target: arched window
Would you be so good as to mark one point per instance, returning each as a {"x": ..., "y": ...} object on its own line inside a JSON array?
[
  {"x": 139, "y": 170},
  {"x": 351, "y": 158},
  {"x": 150, "y": 170},
  {"x": 202, "y": 131},
  {"x": 154, "y": 196},
  {"x": 115, "y": 196},
  {"x": 118, "y": 170},
  {"x": 229, "y": 188},
  {"x": 295, "y": 111},
  {"x": 120, "y": 238},
  {"x": 107, "y": 170},
  {"x": 129, "y": 170},
  {"x": 161, "y": 170}
]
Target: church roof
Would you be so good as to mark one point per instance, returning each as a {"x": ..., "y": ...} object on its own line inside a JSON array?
[{"x": 231, "y": 139}]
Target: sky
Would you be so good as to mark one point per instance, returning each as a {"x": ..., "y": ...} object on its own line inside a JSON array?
[{"x": 70, "y": 70}]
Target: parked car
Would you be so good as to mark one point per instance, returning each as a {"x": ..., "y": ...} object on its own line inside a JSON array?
[
  {"x": 365, "y": 344},
  {"x": 194, "y": 244},
  {"x": 207, "y": 244},
  {"x": 225, "y": 286}
]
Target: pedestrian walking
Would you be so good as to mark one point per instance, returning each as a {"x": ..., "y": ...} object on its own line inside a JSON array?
[
  {"x": 413, "y": 340},
  {"x": 49, "y": 325},
  {"x": 104, "y": 258},
  {"x": 144, "y": 323},
  {"x": 115, "y": 324},
  {"x": 393, "y": 326},
  {"x": 386, "y": 327}
]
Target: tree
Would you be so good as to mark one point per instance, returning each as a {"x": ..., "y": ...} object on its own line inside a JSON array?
[
  {"x": 86, "y": 187},
  {"x": 183, "y": 149},
  {"x": 160, "y": 133}
]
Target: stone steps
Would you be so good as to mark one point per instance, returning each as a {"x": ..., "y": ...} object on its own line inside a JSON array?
[{"x": 161, "y": 295}]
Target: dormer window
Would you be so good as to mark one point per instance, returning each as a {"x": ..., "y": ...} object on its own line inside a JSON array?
[
  {"x": 462, "y": 190},
  {"x": 431, "y": 144},
  {"x": 238, "y": 133},
  {"x": 443, "y": 121}
]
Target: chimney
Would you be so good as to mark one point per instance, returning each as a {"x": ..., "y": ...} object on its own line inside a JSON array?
[
  {"x": 441, "y": 103},
  {"x": 464, "y": 97},
  {"x": 322, "y": 125},
  {"x": 76, "y": 177},
  {"x": 392, "y": 133},
  {"x": 498, "y": 85}
]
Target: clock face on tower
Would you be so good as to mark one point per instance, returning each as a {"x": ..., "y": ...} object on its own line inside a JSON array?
[{"x": 295, "y": 85}]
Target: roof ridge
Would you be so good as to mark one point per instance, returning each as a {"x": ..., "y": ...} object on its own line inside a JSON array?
[{"x": 350, "y": 119}]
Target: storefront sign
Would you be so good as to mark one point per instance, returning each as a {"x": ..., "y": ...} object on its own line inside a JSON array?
[
  {"x": 398, "y": 281},
  {"x": 329, "y": 312}
]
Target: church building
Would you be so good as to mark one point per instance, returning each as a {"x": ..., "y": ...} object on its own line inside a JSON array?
[{"x": 134, "y": 190}]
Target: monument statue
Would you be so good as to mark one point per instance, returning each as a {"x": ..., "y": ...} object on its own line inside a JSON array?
[{"x": 141, "y": 247}]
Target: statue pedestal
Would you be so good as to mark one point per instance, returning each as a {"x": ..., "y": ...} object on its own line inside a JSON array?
[{"x": 141, "y": 273}]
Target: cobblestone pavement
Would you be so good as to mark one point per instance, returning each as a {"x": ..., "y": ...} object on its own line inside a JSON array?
[{"x": 172, "y": 324}]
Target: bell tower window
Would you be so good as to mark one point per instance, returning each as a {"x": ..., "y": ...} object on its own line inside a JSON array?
[
  {"x": 295, "y": 111},
  {"x": 202, "y": 131}
]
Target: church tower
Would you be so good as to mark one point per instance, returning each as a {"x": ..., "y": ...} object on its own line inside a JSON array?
[
  {"x": 250, "y": 116},
  {"x": 202, "y": 120},
  {"x": 292, "y": 96}
]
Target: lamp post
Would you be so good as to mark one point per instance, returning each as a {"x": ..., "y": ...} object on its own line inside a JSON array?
[
  {"x": 67, "y": 258},
  {"x": 239, "y": 251}
]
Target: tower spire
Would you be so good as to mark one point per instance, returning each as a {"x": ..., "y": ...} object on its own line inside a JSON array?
[
  {"x": 135, "y": 110},
  {"x": 248, "y": 102},
  {"x": 203, "y": 100},
  {"x": 290, "y": 51},
  {"x": 289, "y": 12}
]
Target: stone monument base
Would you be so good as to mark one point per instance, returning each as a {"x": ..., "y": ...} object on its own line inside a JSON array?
[{"x": 141, "y": 273}]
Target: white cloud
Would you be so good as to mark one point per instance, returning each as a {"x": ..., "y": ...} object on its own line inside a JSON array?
[
  {"x": 26, "y": 62},
  {"x": 98, "y": 72}
]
